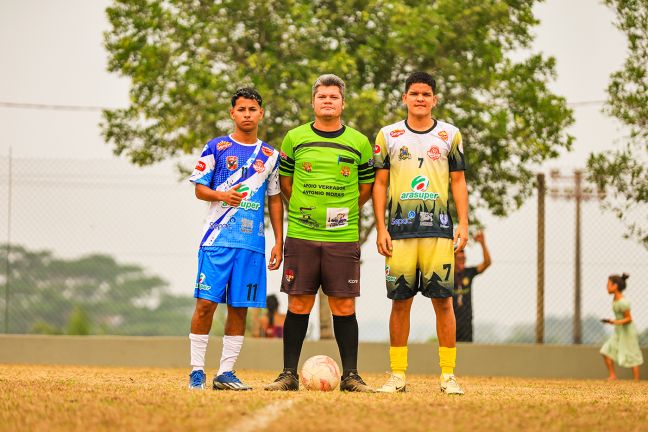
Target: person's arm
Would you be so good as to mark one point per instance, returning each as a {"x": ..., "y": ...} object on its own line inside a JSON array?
[
  {"x": 286, "y": 183},
  {"x": 627, "y": 319},
  {"x": 365, "y": 193},
  {"x": 479, "y": 237},
  {"x": 460, "y": 195},
  {"x": 231, "y": 197},
  {"x": 379, "y": 199},
  {"x": 275, "y": 209}
]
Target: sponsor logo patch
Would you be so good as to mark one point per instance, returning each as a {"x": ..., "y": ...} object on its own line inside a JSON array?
[
  {"x": 345, "y": 171},
  {"x": 434, "y": 153},
  {"x": 396, "y": 133},
  {"x": 337, "y": 218},
  {"x": 201, "y": 285},
  {"x": 389, "y": 278},
  {"x": 376, "y": 149},
  {"x": 443, "y": 135},
  {"x": 307, "y": 166},
  {"x": 200, "y": 166},
  {"x": 267, "y": 151},
  {"x": 247, "y": 226},
  {"x": 419, "y": 187},
  {"x": 223, "y": 145},
  {"x": 232, "y": 163},
  {"x": 444, "y": 219},
  {"x": 283, "y": 155},
  {"x": 258, "y": 166},
  {"x": 427, "y": 218}
]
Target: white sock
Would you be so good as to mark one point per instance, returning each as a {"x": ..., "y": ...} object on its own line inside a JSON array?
[
  {"x": 198, "y": 350},
  {"x": 231, "y": 349}
]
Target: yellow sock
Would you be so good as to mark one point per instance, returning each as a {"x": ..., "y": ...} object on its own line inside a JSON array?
[
  {"x": 398, "y": 360},
  {"x": 447, "y": 359}
]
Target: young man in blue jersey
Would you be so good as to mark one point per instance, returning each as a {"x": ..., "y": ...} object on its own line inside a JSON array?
[{"x": 234, "y": 174}]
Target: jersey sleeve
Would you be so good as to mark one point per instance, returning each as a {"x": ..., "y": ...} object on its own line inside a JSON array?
[
  {"x": 203, "y": 172},
  {"x": 366, "y": 167},
  {"x": 287, "y": 157},
  {"x": 456, "y": 160},
  {"x": 381, "y": 152},
  {"x": 273, "y": 181}
]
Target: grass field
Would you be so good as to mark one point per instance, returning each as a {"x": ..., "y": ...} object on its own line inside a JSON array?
[{"x": 56, "y": 398}]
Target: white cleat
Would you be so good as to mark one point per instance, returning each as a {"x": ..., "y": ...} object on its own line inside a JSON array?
[
  {"x": 395, "y": 384},
  {"x": 449, "y": 385}
]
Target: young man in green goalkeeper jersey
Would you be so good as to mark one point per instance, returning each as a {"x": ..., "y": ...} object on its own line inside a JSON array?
[
  {"x": 326, "y": 173},
  {"x": 416, "y": 159}
]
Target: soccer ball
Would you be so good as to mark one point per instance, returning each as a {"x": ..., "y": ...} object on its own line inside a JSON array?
[{"x": 320, "y": 373}]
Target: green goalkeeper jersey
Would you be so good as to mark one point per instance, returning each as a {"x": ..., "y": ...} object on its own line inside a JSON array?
[{"x": 326, "y": 168}]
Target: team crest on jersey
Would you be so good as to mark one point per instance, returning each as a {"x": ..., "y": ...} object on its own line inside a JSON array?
[
  {"x": 376, "y": 149},
  {"x": 308, "y": 167},
  {"x": 345, "y": 171},
  {"x": 283, "y": 155},
  {"x": 200, "y": 166},
  {"x": 289, "y": 275},
  {"x": 267, "y": 151},
  {"x": 443, "y": 135},
  {"x": 434, "y": 153},
  {"x": 223, "y": 145},
  {"x": 258, "y": 166},
  {"x": 404, "y": 153},
  {"x": 232, "y": 163},
  {"x": 396, "y": 133}
]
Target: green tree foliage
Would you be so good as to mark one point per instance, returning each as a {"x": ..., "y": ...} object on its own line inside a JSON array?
[
  {"x": 92, "y": 294},
  {"x": 623, "y": 174},
  {"x": 185, "y": 58}
]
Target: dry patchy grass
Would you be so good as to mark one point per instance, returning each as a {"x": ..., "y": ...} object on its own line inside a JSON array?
[{"x": 63, "y": 398}]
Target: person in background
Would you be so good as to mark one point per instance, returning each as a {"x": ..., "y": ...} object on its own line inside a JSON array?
[
  {"x": 462, "y": 294},
  {"x": 622, "y": 347},
  {"x": 271, "y": 323}
]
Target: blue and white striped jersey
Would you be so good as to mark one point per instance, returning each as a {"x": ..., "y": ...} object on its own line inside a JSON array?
[{"x": 223, "y": 164}]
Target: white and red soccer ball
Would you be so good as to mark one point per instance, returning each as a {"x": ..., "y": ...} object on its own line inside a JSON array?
[{"x": 320, "y": 373}]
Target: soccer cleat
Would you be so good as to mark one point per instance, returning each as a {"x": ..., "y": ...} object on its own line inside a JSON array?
[
  {"x": 449, "y": 385},
  {"x": 197, "y": 380},
  {"x": 354, "y": 383},
  {"x": 229, "y": 381},
  {"x": 395, "y": 384},
  {"x": 286, "y": 381}
]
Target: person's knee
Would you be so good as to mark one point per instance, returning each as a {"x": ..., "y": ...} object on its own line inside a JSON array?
[
  {"x": 301, "y": 305},
  {"x": 342, "y": 306},
  {"x": 401, "y": 307},
  {"x": 443, "y": 305},
  {"x": 236, "y": 313},
  {"x": 205, "y": 309}
]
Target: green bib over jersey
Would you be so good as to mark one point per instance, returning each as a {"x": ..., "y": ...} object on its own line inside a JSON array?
[{"x": 326, "y": 168}]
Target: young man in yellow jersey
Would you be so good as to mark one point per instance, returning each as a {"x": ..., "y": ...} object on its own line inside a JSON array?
[{"x": 416, "y": 160}]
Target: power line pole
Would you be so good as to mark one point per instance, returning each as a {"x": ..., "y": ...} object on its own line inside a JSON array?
[
  {"x": 541, "y": 260},
  {"x": 577, "y": 192},
  {"x": 8, "y": 261}
]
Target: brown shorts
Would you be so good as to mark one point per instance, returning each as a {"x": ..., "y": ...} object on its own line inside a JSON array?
[{"x": 335, "y": 266}]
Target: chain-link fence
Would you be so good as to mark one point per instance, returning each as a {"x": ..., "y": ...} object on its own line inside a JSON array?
[{"x": 102, "y": 247}]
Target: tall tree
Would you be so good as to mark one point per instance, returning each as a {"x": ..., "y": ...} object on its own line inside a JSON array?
[
  {"x": 623, "y": 173},
  {"x": 185, "y": 57}
]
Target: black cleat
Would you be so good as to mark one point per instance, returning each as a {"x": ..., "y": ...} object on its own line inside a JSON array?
[
  {"x": 354, "y": 383},
  {"x": 286, "y": 381}
]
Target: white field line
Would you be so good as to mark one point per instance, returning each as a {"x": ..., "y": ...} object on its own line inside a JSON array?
[{"x": 262, "y": 418}]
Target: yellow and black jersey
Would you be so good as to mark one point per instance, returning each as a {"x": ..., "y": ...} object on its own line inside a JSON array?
[{"x": 419, "y": 164}]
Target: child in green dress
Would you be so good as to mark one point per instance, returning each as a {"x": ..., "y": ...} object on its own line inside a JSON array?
[{"x": 623, "y": 346}]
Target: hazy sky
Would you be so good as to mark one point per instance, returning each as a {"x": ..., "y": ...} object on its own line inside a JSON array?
[{"x": 51, "y": 53}]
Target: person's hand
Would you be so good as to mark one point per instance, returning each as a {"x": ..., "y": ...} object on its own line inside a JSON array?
[
  {"x": 276, "y": 256},
  {"x": 606, "y": 321},
  {"x": 479, "y": 237},
  {"x": 232, "y": 197},
  {"x": 384, "y": 243},
  {"x": 460, "y": 237}
]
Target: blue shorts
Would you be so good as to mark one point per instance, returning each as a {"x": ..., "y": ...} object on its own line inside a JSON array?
[{"x": 231, "y": 275}]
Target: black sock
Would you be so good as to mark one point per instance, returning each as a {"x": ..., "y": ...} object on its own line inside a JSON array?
[
  {"x": 346, "y": 336},
  {"x": 294, "y": 332}
]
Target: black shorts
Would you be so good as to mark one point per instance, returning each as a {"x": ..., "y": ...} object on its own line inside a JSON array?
[{"x": 308, "y": 264}]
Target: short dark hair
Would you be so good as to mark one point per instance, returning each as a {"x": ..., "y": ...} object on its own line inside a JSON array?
[
  {"x": 420, "y": 77},
  {"x": 246, "y": 93},
  {"x": 329, "y": 80},
  {"x": 619, "y": 281}
]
